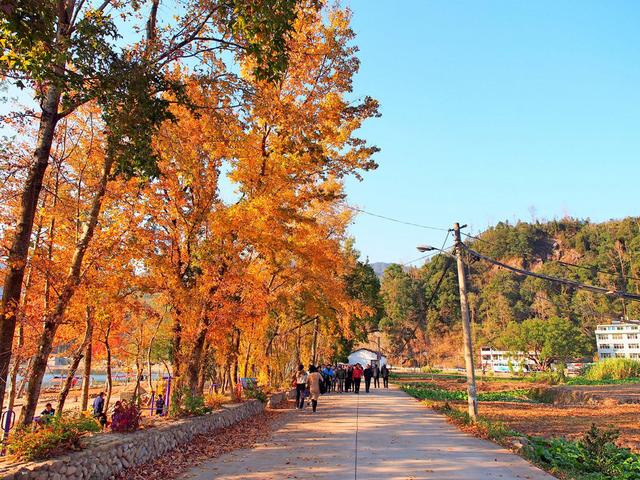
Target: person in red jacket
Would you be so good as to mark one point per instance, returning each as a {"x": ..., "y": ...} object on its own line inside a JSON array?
[{"x": 356, "y": 377}]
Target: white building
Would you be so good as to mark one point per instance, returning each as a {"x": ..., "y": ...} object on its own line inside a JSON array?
[
  {"x": 365, "y": 357},
  {"x": 618, "y": 340},
  {"x": 501, "y": 361}
]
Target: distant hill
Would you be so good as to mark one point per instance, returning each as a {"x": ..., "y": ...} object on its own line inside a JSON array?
[{"x": 379, "y": 268}]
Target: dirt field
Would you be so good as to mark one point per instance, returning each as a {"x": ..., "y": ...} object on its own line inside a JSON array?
[
  {"x": 610, "y": 406},
  {"x": 566, "y": 421}
]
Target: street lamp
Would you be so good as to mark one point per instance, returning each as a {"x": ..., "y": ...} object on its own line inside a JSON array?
[{"x": 425, "y": 248}]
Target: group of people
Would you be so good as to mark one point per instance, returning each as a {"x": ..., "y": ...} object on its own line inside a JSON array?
[
  {"x": 336, "y": 378},
  {"x": 100, "y": 414}
]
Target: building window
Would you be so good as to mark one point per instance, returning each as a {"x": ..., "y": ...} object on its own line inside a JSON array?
[
  {"x": 633, "y": 345},
  {"x": 635, "y": 355},
  {"x": 605, "y": 355},
  {"x": 605, "y": 346},
  {"x": 632, "y": 336},
  {"x": 618, "y": 346},
  {"x": 619, "y": 355},
  {"x": 617, "y": 336},
  {"x": 603, "y": 337}
]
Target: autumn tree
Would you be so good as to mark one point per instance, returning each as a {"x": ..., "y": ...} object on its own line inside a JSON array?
[{"x": 69, "y": 53}]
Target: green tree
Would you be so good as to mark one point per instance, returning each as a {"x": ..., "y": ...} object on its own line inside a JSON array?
[
  {"x": 546, "y": 341},
  {"x": 403, "y": 301}
]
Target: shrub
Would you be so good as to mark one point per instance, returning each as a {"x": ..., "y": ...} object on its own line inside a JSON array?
[
  {"x": 56, "y": 436},
  {"x": 255, "y": 392},
  {"x": 126, "y": 418},
  {"x": 184, "y": 402},
  {"x": 613, "y": 369},
  {"x": 215, "y": 400}
]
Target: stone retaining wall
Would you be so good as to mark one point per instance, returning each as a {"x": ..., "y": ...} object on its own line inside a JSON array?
[
  {"x": 280, "y": 397},
  {"x": 105, "y": 455}
]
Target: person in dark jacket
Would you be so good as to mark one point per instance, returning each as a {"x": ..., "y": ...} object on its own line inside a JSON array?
[
  {"x": 348, "y": 379},
  {"x": 301, "y": 386},
  {"x": 341, "y": 375},
  {"x": 98, "y": 409},
  {"x": 368, "y": 373},
  {"x": 376, "y": 375},
  {"x": 159, "y": 405},
  {"x": 385, "y": 375}
]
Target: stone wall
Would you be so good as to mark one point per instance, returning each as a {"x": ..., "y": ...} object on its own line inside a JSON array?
[
  {"x": 105, "y": 455},
  {"x": 280, "y": 397}
]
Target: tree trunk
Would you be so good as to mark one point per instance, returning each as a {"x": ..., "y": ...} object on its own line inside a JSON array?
[
  {"x": 153, "y": 339},
  {"x": 246, "y": 361},
  {"x": 176, "y": 344},
  {"x": 73, "y": 368},
  {"x": 195, "y": 359},
  {"x": 19, "y": 249},
  {"x": 86, "y": 377},
  {"x": 236, "y": 352},
  {"x": 53, "y": 320},
  {"x": 314, "y": 346},
  {"x": 136, "y": 391},
  {"x": 107, "y": 347},
  {"x": 202, "y": 370}
]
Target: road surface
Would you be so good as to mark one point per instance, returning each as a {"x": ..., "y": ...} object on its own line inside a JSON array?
[{"x": 382, "y": 435}]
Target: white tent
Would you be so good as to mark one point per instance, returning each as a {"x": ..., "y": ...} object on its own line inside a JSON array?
[{"x": 364, "y": 357}]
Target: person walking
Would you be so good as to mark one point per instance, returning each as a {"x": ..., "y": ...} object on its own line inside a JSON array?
[
  {"x": 313, "y": 383},
  {"x": 348, "y": 378},
  {"x": 368, "y": 374},
  {"x": 98, "y": 410},
  {"x": 385, "y": 375},
  {"x": 301, "y": 385},
  {"x": 341, "y": 373},
  {"x": 376, "y": 375},
  {"x": 356, "y": 376}
]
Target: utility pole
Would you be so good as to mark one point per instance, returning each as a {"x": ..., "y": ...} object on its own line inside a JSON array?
[{"x": 466, "y": 327}]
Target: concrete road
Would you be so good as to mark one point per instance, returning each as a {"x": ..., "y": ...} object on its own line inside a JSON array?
[{"x": 381, "y": 435}]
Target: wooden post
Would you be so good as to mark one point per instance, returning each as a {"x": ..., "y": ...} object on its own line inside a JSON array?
[{"x": 466, "y": 328}]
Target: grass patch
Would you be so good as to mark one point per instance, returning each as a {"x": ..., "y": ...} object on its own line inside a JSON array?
[
  {"x": 452, "y": 376},
  {"x": 425, "y": 391},
  {"x": 582, "y": 380}
]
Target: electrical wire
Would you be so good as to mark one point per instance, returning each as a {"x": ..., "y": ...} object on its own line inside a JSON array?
[
  {"x": 428, "y": 227},
  {"x": 435, "y": 291},
  {"x": 560, "y": 262},
  {"x": 572, "y": 283}
]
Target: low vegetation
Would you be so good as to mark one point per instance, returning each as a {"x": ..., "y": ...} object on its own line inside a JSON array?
[
  {"x": 426, "y": 391},
  {"x": 58, "y": 434},
  {"x": 615, "y": 369},
  {"x": 594, "y": 457},
  {"x": 562, "y": 440}
]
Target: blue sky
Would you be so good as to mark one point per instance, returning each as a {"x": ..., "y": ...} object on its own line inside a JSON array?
[{"x": 494, "y": 110}]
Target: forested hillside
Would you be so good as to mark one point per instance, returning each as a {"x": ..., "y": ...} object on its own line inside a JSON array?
[{"x": 424, "y": 321}]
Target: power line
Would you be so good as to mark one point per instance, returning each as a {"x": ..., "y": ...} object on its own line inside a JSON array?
[
  {"x": 572, "y": 283},
  {"x": 434, "y": 292},
  {"x": 428, "y": 227},
  {"x": 591, "y": 268}
]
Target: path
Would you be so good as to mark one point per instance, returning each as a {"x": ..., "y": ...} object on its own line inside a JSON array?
[{"x": 397, "y": 439}]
